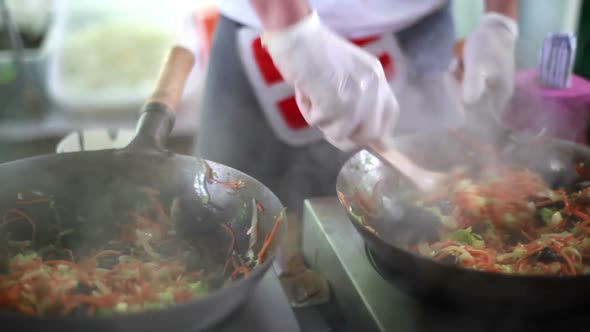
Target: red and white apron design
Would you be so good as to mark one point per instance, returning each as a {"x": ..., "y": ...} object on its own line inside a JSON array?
[{"x": 277, "y": 98}]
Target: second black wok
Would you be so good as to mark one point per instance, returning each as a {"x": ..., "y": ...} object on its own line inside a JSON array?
[{"x": 394, "y": 223}]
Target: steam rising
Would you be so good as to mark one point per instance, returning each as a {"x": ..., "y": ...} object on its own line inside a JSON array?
[
  {"x": 428, "y": 102},
  {"x": 432, "y": 105}
]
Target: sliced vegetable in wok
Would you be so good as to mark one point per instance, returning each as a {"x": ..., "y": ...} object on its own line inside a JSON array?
[
  {"x": 509, "y": 220},
  {"x": 143, "y": 266}
]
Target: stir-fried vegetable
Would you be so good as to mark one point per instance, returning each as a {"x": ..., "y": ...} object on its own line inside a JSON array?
[
  {"x": 37, "y": 287},
  {"x": 144, "y": 266},
  {"x": 466, "y": 236},
  {"x": 510, "y": 221}
]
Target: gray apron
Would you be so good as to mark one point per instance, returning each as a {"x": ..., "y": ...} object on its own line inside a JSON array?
[{"x": 234, "y": 131}]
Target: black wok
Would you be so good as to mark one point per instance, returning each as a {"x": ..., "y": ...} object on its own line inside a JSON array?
[
  {"x": 92, "y": 190},
  {"x": 375, "y": 192}
]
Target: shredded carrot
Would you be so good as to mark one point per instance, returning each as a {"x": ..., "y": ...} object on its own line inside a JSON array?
[
  {"x": 544, "y": 203},
  {"x": 259, "y": 207},
  {"x": 268, "y": 241},
  {"x": 210, "y": 178},
  {"x": 565, "y": 201},
  {"x": 367, "y": 207},
  {"x": 25, "y": 217},
  {"x": 241, "y": 269},
  {"x": 570, "y": 263},
  {"x": 504, "y": 203},
  {"x": 582, "y": 215},
  {"x": 153, "y": 194},
  {"x": 526, "y": 235},
  {"x": 10, "y": 295},
  {"x": 343, "y": 200},
  {"x": 231, "y": 233},
  {"x": 76, "y": 282}
]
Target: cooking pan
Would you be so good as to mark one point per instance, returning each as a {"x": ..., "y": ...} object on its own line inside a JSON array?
[
  {"x": 376, "y": 202},
  {"x": 91, "y": 193}
]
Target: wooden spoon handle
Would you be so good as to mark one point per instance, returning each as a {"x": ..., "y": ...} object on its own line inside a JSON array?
[
  {"x": 173, "y": 78},
  {"x": 395, "y": 159},
  {"x": 423, "y": 179},
  {"x": 458, "y": 50}
]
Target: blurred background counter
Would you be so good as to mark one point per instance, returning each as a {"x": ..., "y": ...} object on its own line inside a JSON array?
[{"x": 90, "y": 63}]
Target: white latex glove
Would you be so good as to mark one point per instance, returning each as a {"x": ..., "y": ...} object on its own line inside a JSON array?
[
  {"x": 489, "y": 62},
  {"x": 340, "y": 88}
]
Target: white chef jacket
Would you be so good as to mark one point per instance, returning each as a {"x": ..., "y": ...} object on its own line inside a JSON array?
[{"x": 349, "y": 18}]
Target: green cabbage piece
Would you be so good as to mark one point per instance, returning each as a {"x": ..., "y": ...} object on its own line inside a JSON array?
[
  {"x": 23, "y": 259},
  {"x": 199, "y": 289},
  {"x": 166, "y": 297},
  {"x": 121, "y": 307},
  {"x": 466, "y": 236},
  {"x": 546, "y": 215}
]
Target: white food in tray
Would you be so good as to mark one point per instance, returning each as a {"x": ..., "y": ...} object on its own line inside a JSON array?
[
  {"x": 107, "y": 62},
  {"x": 114, "y": 57}
]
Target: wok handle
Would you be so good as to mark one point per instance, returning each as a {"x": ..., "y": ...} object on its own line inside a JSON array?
[
  {"x": 173, "y": 78},
  {"x": 158, "y": 114}
]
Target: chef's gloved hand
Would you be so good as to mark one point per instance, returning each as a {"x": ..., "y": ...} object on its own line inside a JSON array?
[
  {"x": 340, "y": 88},
  {"x": 488, "y": 60}
]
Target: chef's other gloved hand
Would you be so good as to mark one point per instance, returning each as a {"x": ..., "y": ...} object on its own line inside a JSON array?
[
  {"x": 488, "y": 60},
  {"x": 340, "y": 88}
]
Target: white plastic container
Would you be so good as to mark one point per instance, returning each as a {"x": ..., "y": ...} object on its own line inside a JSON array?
[{"x": 108, "y": 55}]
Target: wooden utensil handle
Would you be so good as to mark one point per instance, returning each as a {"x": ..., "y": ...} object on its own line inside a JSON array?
[
  {"x": 394, "y": 158},
  {"x": 458, "y": 51},
  {"x": 170, "y": 86}
]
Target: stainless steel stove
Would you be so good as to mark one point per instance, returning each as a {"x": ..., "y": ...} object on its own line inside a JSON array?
[
  {"x": 366, "y": 301},
  {"x": 267, "y": 309}
]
